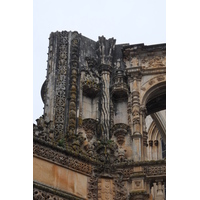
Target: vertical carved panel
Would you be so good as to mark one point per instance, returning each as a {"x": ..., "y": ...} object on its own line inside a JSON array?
[
  {"x": 74, "y": 64},
  {"x": 61, "y": 73},
  {"x": 120, "y": 190},
  {"x": 93, "y": 188},
  {"x": 105, "y": 189}
]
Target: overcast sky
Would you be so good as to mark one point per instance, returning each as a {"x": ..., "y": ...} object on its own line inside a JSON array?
[{"x": 128, "y": 21}]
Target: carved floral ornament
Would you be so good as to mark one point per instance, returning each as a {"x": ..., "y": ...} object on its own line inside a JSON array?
[
  {"x": 153, "y": 81},
  {"x": 89, "y": 125},
  {"x": 153, "y": 61}
]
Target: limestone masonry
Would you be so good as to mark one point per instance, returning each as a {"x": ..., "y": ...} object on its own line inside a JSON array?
[{"x": 102, "y": 135}]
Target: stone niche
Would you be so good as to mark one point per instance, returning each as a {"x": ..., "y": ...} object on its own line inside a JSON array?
[
  {"x": 119, "y": 93},
  {"x": 120, "y": 112},
  {"x": 90, "y": 107}
]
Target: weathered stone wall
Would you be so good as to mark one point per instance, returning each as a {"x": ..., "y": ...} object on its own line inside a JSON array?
[{"x": 102, "y": 135}]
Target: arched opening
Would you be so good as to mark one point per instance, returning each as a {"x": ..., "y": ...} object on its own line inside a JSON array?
[
  {"x": 155, "y": 98},
  {"x": 155, "y": 102}
]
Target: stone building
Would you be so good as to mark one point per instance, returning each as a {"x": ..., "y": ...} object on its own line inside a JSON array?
[{"x": 102, "y": 134}]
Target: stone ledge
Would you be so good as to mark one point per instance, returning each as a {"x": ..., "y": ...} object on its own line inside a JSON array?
[{"x": 54, "y": 192}]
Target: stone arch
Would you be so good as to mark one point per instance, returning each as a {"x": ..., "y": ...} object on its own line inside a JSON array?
[
  {"x": 154, "y": 143},
  {"x": 152, "y": 94}
]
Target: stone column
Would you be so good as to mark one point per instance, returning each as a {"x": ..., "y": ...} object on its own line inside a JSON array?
[
  {"x": 105, "y": 114},
  {"x": 73, "y": 82},
  {"x": 144, "y": 132},
  {"x": 80, "y": 114},
  {"x": 136, "y": 134}
]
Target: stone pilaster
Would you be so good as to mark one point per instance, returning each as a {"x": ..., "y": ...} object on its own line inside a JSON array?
[
  {"x": 144, "y": 132},
  {"x": 105, "y": 115},
  {"x": 72, "y": 125},
  {"x": 105, "y": 50},
  {"x": 136, "y": 121}
]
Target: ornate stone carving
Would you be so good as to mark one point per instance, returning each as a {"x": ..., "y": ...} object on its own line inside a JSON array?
[
  {"x": 139, "y": 195},
  {"x": 42, "y": 192},
  {"x": 93, "y": 187},
  {"x": 157, "y": 61},
  {"x": 160, "y": 78},
  {"x": 120, "y": 189},
  {"x": 153, "y": 61},
  {"x": 150, "y": 143},
  {"x": 135, "y": 107},
  {"x": 105, "y": 151},
  {"x": 119, "y": 131},
  {"x": 61, "y": 158},
  {"x": 106, "y": 48},
  {"x": 119, "y": 89},
  {"x": 89, "y": 125},
  {"x": 105, "y": 188},
  {"x": 121, "y": 154},
  {"x": 42, "y": 195},
  {"x": 61, "y": 86},
  {"x": 81, "y": 71},
  {"x": 73, "y": 91},
  {"x": 145, "y": 136},
  {"x": 143, "y": 88},
  {"x": 136, "y": 115},
  {"x": 151, "y": 82},
  {"x": 89, "y": 149},
  {"x": 90, "y": 82},
  {"x": 156, "y": 142},
  {"x": 155, "y": 170}
]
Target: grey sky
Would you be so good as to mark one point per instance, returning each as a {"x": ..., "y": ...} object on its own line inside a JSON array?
[{"x": 128, "y": 21}]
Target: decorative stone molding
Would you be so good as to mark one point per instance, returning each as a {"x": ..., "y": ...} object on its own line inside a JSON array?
[
  {"x": 90, "y": 82},
  {"x": 105, "y": 188},
  {"x": 155, "y": 170},
  {"x": 119, "y": 89},
  {"x": 105, "y": 50},
  {"x": 150, "y": 143},
  {"x": 90, "y": 126},
  {"x": 145, "y": 137},
  {"x": 105, "y": 151},
  {"x": 119, "y": 131},
  {"x": 74, "y": 64},
  {"x": 61, "y": 86},
  {"x": 61, "y": 158},
  {"x": 156, "y": 142},
  {"x": 139, "y": 195},
  {"x": 90, "y": 87},
  {"x": 43, "y": 192},
  {"x": 120, "y": 190},
  {"x": 93, "y": 187}
]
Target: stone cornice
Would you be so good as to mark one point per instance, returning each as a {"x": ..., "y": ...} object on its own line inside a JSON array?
[
  {"x": 150, "y": 71},
  {"x": 61, "y": 155},
  {"x": 132, "y": 50},
  {"x": 85, "y": 158}
]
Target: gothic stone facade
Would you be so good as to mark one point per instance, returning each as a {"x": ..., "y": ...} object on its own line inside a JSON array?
[{"x": 102, "y": 133}]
